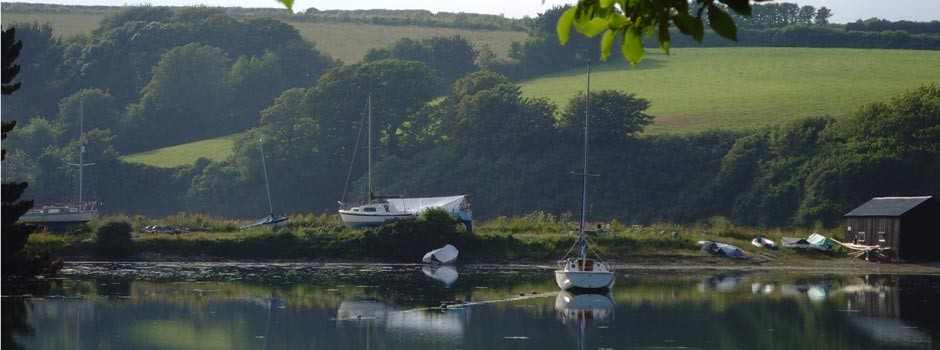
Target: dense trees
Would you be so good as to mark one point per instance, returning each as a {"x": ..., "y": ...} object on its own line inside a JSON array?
[
  {"x": 451, "y": 57},
  {"x": 510, "y": 153}
]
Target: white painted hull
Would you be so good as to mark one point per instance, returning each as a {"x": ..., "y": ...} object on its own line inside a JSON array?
[
  {"x": 360, "y": 219},
  {"x": 568, "y": 280},
  {"x": 36, "y": 217}
]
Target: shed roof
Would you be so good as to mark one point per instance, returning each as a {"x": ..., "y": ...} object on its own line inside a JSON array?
[{"x": 888, "y": 206}]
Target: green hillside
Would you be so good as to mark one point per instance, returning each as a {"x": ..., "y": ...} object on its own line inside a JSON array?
[
  {"x": 349, "y": 41},
  {"x": 739, "y": 88},
  {"x": 345, "y": 41},
  {"x": 170, "y": 157}
]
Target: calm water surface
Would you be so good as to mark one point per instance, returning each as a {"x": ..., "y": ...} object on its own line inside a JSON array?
[{"x": 308, "y": 306}]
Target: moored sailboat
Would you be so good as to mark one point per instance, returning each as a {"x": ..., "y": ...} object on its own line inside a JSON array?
[{"x": 582, "y": 271}]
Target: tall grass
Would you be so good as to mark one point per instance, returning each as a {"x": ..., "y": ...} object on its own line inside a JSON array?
[{"x": 536, "y": 237}]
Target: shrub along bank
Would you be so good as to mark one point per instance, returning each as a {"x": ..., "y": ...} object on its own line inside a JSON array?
[{"x": 535, "y": 237}]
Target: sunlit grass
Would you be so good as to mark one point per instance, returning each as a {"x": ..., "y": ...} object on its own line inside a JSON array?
[
  {"x": 216, "y": 149},
  {"x": 349, "y": 42},
  {"x": 697, "y": 89},
  {"x": 346, "y": 41}
]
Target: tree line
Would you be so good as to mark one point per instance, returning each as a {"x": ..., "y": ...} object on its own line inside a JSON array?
[{"x": 155, "y": 76}]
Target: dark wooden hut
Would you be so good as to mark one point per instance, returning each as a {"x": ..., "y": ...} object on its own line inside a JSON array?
[{"x": 910, "y": 226}]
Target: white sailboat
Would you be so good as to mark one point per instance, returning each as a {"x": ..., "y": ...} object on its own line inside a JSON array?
[
  {"x": 57, "y": 216},
  {"x": 379, "y": 209},
  {"x": 583, "y": 272},
  {"x": 271, "y": 220}
]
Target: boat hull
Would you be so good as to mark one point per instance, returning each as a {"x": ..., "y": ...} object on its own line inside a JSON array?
[
  {"x": 75, "y": 217},
  {"x": 368, "y": 220},
  {"x": 575, "y": 280}
]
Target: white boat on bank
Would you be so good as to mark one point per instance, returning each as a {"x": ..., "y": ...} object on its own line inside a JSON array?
[
  {"x": 582, "y": 272},
  {"x": 379, "y": 209},
  {"x": 444, "y": 255}
]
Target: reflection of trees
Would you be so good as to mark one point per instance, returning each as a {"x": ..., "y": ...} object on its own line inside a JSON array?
[{"x": 14, "y": 322}]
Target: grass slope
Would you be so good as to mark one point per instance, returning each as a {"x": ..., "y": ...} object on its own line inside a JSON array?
[
  {"x": 696, "y": 89},
  {"x": 170, "y": 157},
  {"x": 346, "y": 41},
  {"x": 350, "y": 42}
]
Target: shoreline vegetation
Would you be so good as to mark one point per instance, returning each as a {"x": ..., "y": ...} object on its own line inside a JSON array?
[{"x": 535, "y": 239}]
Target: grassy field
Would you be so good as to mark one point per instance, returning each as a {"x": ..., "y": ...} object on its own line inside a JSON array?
[
  {"x": 63, "y": 24},
  {"x": 345, "y": 41},
  {"x": 696, "y": 89},
  {"x": 170, "y": 157},
  {"x": 349, "y": 41}
]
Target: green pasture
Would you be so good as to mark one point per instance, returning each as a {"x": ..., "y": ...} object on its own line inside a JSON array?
[
  {"x": 350, "y": 41},
  {"x": 696, "y": 89},
  {"x": 346, "y": 41},
  {"x": 217, "y": 149},
  {"x": 63, "y": 24}
]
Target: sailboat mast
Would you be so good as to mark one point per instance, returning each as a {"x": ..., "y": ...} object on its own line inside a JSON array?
[
  {"x": 81, "y": 149},
  {"x": 584, "y": 173},
  {"x": 267, "y": 186},
  {"x": 370, "y": 145}
]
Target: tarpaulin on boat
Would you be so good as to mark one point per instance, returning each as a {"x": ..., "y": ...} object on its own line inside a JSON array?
[{"x": 450, "y": 204}]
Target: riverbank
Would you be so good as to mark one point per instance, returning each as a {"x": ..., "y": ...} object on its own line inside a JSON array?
[{"x": 512, "y": 241}]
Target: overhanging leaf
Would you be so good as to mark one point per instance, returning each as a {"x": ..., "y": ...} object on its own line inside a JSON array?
[
  {"x": 607, "y": 42},
  {"x": 592, "y": 27},
  {"x": 722, "y": 23},
  {"x": 617, "y": 21},
  {"x": 564, "y": 25},
  {"x": 740, "y": 6},
  {"x": 289, "y": 4},
  {"x": 633, "y": 45},
  {"x": 698, "y": 29}
]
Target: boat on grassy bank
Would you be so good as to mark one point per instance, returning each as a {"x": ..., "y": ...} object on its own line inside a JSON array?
[
  {"x": 378, "y": 209},
  {"x": 271, "y": 220},
  {"x": 59, "y": 216}
]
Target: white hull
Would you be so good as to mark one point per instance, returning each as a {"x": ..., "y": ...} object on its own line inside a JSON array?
[
  {"x": 57, "y": 215},
  {"x": 446, "y": 255},
  {"x": 569, "y": 280},
  {"x": 359, "y": 219}
]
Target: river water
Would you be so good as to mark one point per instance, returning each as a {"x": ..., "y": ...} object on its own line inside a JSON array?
[{"x": 348, "y": 306}]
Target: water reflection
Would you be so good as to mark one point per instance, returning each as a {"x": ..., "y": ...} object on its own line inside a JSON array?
[
  {"x": 446, "y": 274},
  {"x": 399, "y": 307},
  {"x": 583, "y": 310}
]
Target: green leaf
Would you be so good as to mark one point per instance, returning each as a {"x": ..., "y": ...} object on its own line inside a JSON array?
[
  {"x": 564, "y": 25},
  {"x": 592, "y": 27},
  {"x": 740, "y": 6},
  {"x": 684, "y": 21},
  {"x": 698, "y": 29},
  {"x": 607, "y": 42},
  {"x": 617, "y": 21},
  {"x": 633, "y": 45},
  {"x": 289, "y": 4},
  {"x": 664, "y": 36},
  {"x": 606, "y": 3},
  {"x": 722, "y": 23}
]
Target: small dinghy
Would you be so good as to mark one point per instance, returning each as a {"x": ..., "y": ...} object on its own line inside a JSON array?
[
  {"x": 762, "y": 242},
  {"x": 444, "y": 255}
]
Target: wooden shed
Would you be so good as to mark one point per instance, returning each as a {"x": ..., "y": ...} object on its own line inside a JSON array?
[{"x": 910, "y": 226}]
